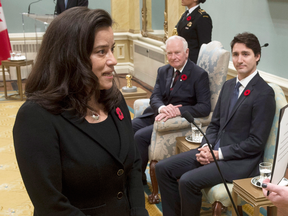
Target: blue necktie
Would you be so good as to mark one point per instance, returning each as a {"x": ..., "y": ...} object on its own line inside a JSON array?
[
  {"x": 233, "y": 100},
  {"x": 234, "y": 96},
  {"x": 66, "y": 2}
]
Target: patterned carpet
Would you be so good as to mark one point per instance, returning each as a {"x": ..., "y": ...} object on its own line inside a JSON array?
[{"x": 14, "y": 200}]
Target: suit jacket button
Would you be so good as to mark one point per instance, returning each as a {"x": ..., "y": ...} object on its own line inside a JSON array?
[
  {"x": 120, "y": 172},
  {"x": 119, "y": 195}
]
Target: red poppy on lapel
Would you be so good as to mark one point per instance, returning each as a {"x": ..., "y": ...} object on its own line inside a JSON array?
[
  {"x": 247, "y": 92},
  {"x": 188, "y": 18},
  {"x": 119, "y": 113},
  {"x": 183, "y": 77}
]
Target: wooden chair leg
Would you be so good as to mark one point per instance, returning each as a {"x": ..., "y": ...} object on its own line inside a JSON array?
[
  {"x": 239, "y": 208},
  {"x": 154, "y": 197},
  {"x": 218, "y": 208},
  {"x": 271, "y": 210}
]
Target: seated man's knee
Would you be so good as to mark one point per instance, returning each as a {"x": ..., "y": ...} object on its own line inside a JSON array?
[
  {"x": 186, "y": 182},
  {"x": 160, "y": 169},
  {"x": 135, "y": 125},
  {"x": 138, "y": 136}
]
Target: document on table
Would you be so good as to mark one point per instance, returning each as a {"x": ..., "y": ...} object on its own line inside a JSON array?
[{"x": 281, "y": 150}]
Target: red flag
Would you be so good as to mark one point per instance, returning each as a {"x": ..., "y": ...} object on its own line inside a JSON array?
[{"x": 5, "y": 46}]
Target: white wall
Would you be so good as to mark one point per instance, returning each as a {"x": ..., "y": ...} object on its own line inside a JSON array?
[{"x": 267, "y": 19}]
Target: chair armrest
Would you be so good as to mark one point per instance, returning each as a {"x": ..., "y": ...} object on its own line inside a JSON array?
[
  {"x": 172, "y": 124},
  {"x": 140, "y": 105},
  {"x": 179, "y": 123}
]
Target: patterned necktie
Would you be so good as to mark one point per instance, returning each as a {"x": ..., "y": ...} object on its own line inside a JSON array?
[
  {"x": 175, "y": 79},
  {"x": 233, "y": 100},
  {"x": 66, "y": 2}
]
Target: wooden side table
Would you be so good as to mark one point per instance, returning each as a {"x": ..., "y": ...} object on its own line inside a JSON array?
[
  {"x": 18, "y": 65},
  {"x": 253, "y": 196},
  {"x": 140, "y": 93},
  {"x": 182, "y": 145}
]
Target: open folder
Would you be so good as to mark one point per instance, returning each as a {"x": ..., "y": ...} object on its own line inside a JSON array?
[{"x": 281, "y": 150}]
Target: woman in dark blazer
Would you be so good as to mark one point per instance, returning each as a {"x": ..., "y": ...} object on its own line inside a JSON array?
[
  {"x": 195, "y": 25},
  {"x": 73, "y": 136}
]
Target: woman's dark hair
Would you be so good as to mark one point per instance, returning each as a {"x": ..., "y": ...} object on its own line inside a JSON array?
[
  {"x": 250, "y": 40},
  {"x": 201, "y": 1},
  {"x": 62, "y": 77}
]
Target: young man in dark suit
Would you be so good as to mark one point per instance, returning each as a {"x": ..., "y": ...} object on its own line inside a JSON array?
[
  {"x": 238, "y": 133},
  {"x": 173, "y": 94},
  {"x": 63, "y": 5}
]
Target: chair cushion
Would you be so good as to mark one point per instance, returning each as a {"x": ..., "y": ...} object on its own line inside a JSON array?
[
  {"x": 214, "y": 59},
  {"x": 271, "y": 142},
  {"x": 219, "y": 193}
]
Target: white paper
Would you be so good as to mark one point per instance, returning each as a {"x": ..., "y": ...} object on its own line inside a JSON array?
[{"x": 281, "y": 156}]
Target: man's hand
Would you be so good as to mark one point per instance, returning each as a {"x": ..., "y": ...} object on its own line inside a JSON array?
[
  {"x": 167, "y": 112},
  {"x": 163, "y": 116},
  {"x": 171, "y": 110},
  {"x": 205, "y": 157}
]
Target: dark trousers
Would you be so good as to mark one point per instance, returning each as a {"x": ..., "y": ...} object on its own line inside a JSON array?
[
  {"x": 184, "y": 197},
  {"x": 143, "y": 128}
]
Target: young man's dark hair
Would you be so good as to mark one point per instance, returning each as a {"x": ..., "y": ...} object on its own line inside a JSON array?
[{"x": 250, "y": 40}]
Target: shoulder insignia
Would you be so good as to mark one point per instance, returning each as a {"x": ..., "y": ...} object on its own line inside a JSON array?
[
  {"x": 206, "y": 16},
  {"x": 201, "y": 11}
]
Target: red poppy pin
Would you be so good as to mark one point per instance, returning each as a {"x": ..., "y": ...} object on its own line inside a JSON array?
[
  {"x": 183, "y": 77},
  {"x": 188, "y": 18},
  {"x": 247, "y": 92},
  {"x": 119, "y": 113}
]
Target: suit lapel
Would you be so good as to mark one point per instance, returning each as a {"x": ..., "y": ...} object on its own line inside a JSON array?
[
  {"x": 69, "y": 4},
  {"x": 182, "y": 21},
  {"x": 88, "y": 129},
  {"x": 123, "y": 134},
  {"x": 179, "y": 83},
  {"x": 242, "y": 97},
  {"x": 62, "y": 5},
  {"x": 169, "y": 76}
]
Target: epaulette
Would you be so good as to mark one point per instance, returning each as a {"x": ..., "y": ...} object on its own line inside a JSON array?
[
  {"x": 201, "y": 11},
  {"x": 206, "y": 16}
]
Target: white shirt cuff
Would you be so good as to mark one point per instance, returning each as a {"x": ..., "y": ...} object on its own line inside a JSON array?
[
  {"x": 159, "y": 109},
  {"x": 220, "y": 155}
]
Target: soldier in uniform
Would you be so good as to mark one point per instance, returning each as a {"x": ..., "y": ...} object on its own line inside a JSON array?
[{"x": 195, "y": 25}]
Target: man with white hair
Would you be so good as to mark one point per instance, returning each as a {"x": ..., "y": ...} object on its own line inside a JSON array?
[{"x": 180, "y": 86}]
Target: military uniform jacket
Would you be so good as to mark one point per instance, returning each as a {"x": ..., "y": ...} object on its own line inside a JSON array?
[{"x": 196, "y": 28}]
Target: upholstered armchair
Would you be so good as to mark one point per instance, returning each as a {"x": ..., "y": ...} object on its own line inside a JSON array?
[
  {"x": 212, "y": 58},
  {"x": 217, "y": 195}
]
